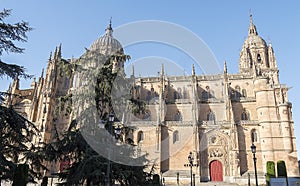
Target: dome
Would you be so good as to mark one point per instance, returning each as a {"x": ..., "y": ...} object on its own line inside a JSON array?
[
  {"x": 254, "y": 41},
  {"x": 107, "y": 44}
]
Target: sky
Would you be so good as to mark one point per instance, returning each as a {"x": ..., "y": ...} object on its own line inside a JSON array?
[{"x": 221, "y": 25}]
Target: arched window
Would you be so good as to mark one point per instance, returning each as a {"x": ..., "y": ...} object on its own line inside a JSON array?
[
  {"x": 244, "y": 93},
  {"x": 179, "y": 95},
  {"x": 245, "y": 115},
  {"x": 253, "y": 136},
  {"x": 211, "y": 116},
  {"x": 148, "y": 97},
  {"x": 140, "y": 136},
  {"x": 204, "y": 95},
  {"x": 178, "y": 116},
  {"x": 129, "y": 137},
  {"x": 238, "y": 88},
  {"x": 237, "y": 92},
  {"x": 175, "y": 95},
  {"x": 281, "y": 169},
  {"x": 258, "y": 58},
  {"x": 175, "y": 136},
  {"x": 232, "y": 94}
]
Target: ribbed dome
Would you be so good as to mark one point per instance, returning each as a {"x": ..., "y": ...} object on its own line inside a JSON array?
[
  {"x": 107, "y": 44},
  {"x": 255, "y": 41}
]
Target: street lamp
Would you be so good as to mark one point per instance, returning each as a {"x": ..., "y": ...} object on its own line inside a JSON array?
[
  {"x": 191, "y": 159},
  {"x": 111, "y": 118},
  {"x": 253, "y": 149}
]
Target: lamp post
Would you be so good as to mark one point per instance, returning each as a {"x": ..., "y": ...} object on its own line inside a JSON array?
[
  {"x": 111, "y": 118},
  {"x": 191, "y": 159},
  {"x": 253, "y": 149}
]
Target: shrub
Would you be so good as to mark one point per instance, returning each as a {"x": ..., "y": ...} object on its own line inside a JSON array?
[{"x": 270, "y": 171}]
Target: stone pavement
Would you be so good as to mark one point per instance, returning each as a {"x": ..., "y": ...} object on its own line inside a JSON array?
[{"x": 204, "y": 184}]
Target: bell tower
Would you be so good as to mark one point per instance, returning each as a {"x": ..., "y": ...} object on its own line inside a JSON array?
[{"x": 257, "y": 57}]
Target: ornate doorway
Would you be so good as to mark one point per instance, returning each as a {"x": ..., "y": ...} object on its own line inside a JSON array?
[{"x": 216, "y": 171}]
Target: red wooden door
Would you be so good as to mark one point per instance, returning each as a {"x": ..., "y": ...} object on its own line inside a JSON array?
[{"x": 216, "y": 171}]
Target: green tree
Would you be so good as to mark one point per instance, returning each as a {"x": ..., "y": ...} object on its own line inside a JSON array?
[
  {"x": 10, "y": 33},
  {"x": 88, "y": 165},
  {"x": 270, "y": 171},
  {"x": 16, "y": 145},
  {"x": 16, "y": 132}
]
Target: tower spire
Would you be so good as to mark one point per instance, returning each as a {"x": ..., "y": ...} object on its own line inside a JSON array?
[
  {"x": 55, "y": 53},
  {"x": 252, "y": 27},
  {"x": 50, "y": 57},
  {"x": 16, "y": 84},
  {"x": 59, "y": 51},
  {"x": 132, "y": 70},
  {"x": 193, "y": 70},
  {"x": 42, "y": 74},
  {"x": 162, "y": 71},
  {"x": 110, "y": 22},
  {"x": 225, "y": 67}
]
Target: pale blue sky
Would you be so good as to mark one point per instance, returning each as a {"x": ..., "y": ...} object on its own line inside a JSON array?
[{"x": 222, "y": 25}]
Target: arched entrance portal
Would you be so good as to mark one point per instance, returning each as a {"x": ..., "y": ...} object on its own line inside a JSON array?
[{"x": 216, "y": 171}]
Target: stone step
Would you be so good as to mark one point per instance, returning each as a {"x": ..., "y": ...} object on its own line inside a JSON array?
[
  {"x": 172, "y": 181},
  {"x": 173, "y": 173}
]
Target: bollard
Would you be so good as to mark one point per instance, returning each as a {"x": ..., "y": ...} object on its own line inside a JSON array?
[
  {"x": 193, "y": 179},
  {"x": 177, "y": 178}
]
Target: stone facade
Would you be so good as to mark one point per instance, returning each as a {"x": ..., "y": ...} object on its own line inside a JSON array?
[{"x": 216, "y": 117}]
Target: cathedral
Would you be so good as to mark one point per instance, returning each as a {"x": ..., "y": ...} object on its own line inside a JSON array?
[{"x": 211, "y": 120}]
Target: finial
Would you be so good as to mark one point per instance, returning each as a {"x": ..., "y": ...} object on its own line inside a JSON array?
[
  {"x": 269, "y": 41},
  {"x": 55, "y": 53},
  {"x": 109, "y": 29},
  {"x": 225, "y": 67},
  {"x": 16, "y": 82},
  {"x": 9, "y": 89},
  {"x": 42, "y": 75},
  {"x": 252, "y": 27},
  {"x": 33, "y": 82},
  {"x": 59, "y": 51},
  {"x": 162, "y": 70},
  {"x": 193, "y": 70},
  {"x": 50, "y": 57},
  {"x": 72, "y": 59},
  {"x": 132, "y": 70}
]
